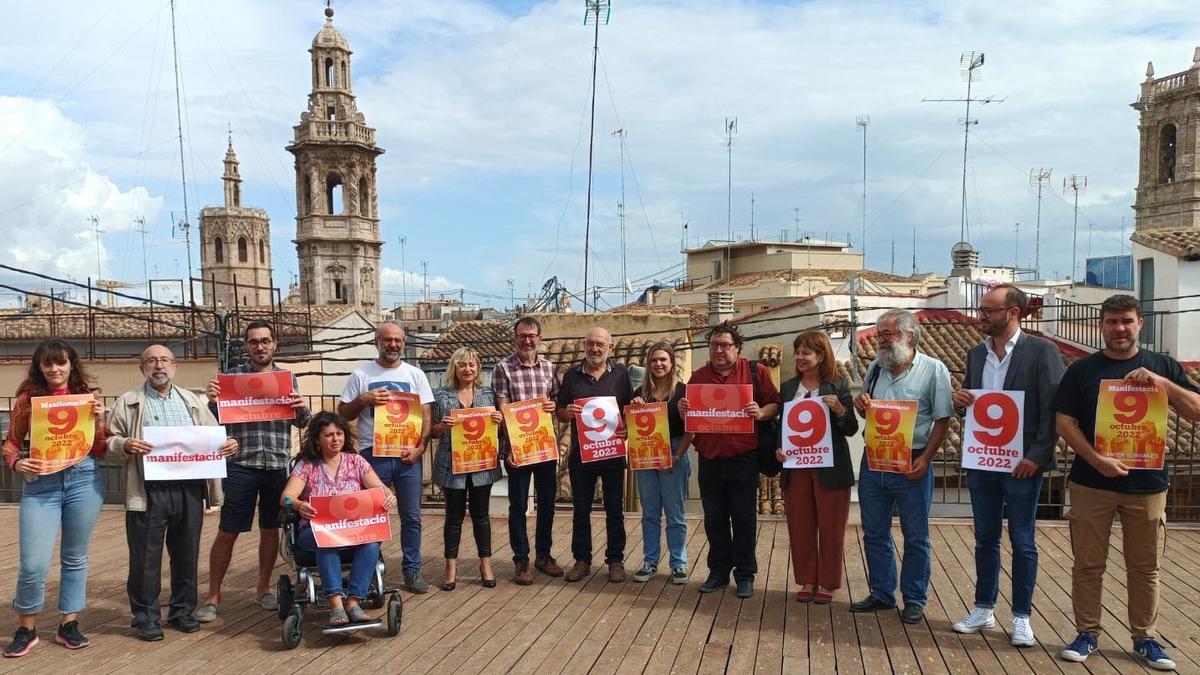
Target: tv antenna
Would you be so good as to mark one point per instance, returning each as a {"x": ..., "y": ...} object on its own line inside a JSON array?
[
  {"x": 1041, "y": 178},
  {"x": 730, "y": 131},
  {"x": 862, "y": 122},
  {"x": 1075, "y": 184},
  {"x": 597, "y": 12}
]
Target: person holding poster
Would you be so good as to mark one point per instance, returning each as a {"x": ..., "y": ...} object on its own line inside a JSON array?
[
  {"x": 161, "y": 509},
  {"x": 728, "y": 465},
  {"x": 464, "y": 389},
  {"x": 327, "y": 466},
  {"x": 367, "y": 387},
  {"x": 522, "y": 376},
  {"x": 1101, "y": 486},
  {"x": 901, "y": 373},
  {"x": 595, "y": 376},
  {"x": 255, "y": 476},
  {"x": 1012, "y": 360},
  {"x": 817, "y": 501},
  {"x": 68, "y": 499},
  {"x": 663, "y": 491}
]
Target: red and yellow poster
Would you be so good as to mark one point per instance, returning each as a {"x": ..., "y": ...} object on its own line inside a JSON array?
[
  {"x": 719, "y": 409},
  {"x": 597, "y": 425},
  {"x": 351, "y": 519},
  {"x": 806, "y": 438},
  {"x": 530, "y": 432},
  {"x": 397, "y": 424},
  {"x": 889, "y": 435},
  {"x": 649, "y": 442},
  {"x": 993, "y": 431},
  {"x": 255, "y": 397},
  {"x": 62, "y": 430},
  {"x": 1131, "y": 423},
  {"x": 474, "y": 440}
]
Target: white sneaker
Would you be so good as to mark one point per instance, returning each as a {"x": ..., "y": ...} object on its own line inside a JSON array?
[
  {"x": 977, "y": 620},
  {"x": 1022, "y": 633}
]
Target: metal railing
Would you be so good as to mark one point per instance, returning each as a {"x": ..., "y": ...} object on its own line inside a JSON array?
[{"x": 1079, "y": 323}]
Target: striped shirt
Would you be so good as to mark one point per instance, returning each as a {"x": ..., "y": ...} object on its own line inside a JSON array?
[
  {"x": 165, "y": 411},
  {"x": 264, "y": 445}
]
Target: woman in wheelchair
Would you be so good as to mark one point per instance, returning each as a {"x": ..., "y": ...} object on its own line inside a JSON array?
[{"x": 328, "y": 465}]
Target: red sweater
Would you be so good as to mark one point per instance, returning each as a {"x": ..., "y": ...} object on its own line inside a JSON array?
[
  {"x": 18, "y": 429},
  {"x": 719, "y": 446}
]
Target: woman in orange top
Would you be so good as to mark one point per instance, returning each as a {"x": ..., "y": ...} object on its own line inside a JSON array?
[{"x": 69, "y": 498}]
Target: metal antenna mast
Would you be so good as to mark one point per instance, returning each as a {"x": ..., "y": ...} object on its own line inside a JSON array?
[
  {"x": 95, "y": 221},
  {"x": 183, "y": 226},
  {"x": 752, "y": 217},
  {"x": 620, "y": 134},
  {"x": 1041, "y": 178},
  {"x": 403, "y": 277},
  {"x": 730, "y": 130},
  {"x": 145, "y": 271},
  {"x": 862, "y": 122},
  {"x": 1076, "y": 184},
  {"x": 970, "y": 63},
  {"x": 592, "y": 15}
]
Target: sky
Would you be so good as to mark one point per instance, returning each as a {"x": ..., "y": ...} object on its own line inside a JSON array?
[{"x": 483, "y": 111}]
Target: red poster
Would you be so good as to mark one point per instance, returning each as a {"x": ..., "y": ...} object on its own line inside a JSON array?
[
  {"x": 719, "y": 408},
  {"x": 597, "y": 426},
  {"x": 351, "y": 519},
  {"x": 255, "y": 397}
]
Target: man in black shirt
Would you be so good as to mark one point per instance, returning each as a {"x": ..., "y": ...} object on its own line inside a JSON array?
[
  {"x": 1102, "y": 486},
  {"x": 595, "y": 376}
]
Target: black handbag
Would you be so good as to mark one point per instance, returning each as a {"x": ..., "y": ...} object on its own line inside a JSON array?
[{"x": 768, "y": 435}]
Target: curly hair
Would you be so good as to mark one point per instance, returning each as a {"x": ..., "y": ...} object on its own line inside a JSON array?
[
  {"x": 48, "y": 352},
  {"x": 310, "y": 449}
]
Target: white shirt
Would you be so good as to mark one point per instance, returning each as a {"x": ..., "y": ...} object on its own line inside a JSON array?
[
  {"x": 995, "y": 369},
  {"x": 405, "y": 377}
]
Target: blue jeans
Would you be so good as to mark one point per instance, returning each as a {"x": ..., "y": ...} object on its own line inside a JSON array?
[
  {"x": 69, "y": 499},
  {"x": 878, "y": 493},
  {"x": 405, "y": 479},
  {"x": 329, "y": 565},
  {"x": 991, "y": 492},
  {"x": 663, "y": 492},
  {"x": 544, "y": 477}
]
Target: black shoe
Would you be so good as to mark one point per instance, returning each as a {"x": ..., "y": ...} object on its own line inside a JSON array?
[
  {"x": 745, "y": 588},
  {"x": 184, "y": 624},
  {"x": 23, "y": 640},
  {"x": 149, "y": 632},
  {"x": 68, "y": 635},
  {"x": 714, "y": 583},
  {"x": 912, "y": 613},
  {"x": 869, "y": 604}
]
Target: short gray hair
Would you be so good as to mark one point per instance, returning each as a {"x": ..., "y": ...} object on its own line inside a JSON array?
[{"x": 906, "y": 322}]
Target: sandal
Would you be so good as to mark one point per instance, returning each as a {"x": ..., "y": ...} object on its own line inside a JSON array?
[
  {"x": 804, "y": 595},
  {"x": 338, "y": 617},
  {"x": 356, "y": 614},
  {"x": 823, "y": 597}
]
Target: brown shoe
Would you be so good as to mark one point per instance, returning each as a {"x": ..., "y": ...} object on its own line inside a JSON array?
[
  {"x": 548, "y": 566},
  {"x": 524, "y": 576},
  {"x": 579, "y": 571},
  {"x": 616, "y": 573}
]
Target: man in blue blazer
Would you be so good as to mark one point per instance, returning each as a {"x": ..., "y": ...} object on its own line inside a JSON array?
[{"x": 1012, "y": 360}]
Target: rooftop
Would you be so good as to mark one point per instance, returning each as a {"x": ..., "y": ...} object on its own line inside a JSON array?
[{"x": 1181, "y": 242}]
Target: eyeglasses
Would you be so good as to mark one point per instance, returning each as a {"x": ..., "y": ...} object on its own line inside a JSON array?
[
  {"x": 265, "y": 342},
  {"x": 158, "y": 361},
  {"x": 987, "y": 311},
  {"x": 721, "y": 346},
  {"x": 888, "y": 334},
  {"x": 593, "y": 344},
  {"x": 530, "y": 337}
]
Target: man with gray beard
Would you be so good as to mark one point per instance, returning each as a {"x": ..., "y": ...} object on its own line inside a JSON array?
[{"x": 900, "y": 373}]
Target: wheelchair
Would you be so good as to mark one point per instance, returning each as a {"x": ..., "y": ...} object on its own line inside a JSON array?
[{"x": 295, "y": 597}]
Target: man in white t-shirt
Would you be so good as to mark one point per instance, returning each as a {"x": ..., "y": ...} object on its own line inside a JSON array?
[{"x": 366, "y": 388}]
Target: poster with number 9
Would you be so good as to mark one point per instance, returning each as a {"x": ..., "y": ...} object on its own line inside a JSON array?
[
  {"x": 806, "y": 439},
  {"x": 649, "y": 442},
  {"x": 397, "y": 424},
  {"x": 62, "y": 430},
  {"x": 474, "y": 440},
  {"x": 1131, "y": 423},
  {"x": 530, "y": 432},
  {"x": 889, "y": 435},
  {"x": 994, "y": 431},
  {"x": 596, "y": 426}
]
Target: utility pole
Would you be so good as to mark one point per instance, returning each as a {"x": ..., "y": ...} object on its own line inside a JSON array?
[
  {"x": 184, "y": 226},
  {"x": 1041, "y": 178},
  {"x": 914, "y": 270},
  {"x": 95, "y": 221},
  {"x": 425, "y": 273},
  {"x": 592, "y": 15},
  {"x": 620, "y": 134},
  {"x": 141, "y": 228},
  {"x": 512, "y": 298},
  {"x": 1076, "y": 184},
  {"x": 862, "y": 122},
  {"x": 730, "y": 130},
  {"x": 752, "y": 217}
]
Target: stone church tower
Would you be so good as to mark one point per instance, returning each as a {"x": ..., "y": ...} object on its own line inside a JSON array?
[
  {"x": 235, "y": 247},
  {"x": 1168, "y": 190},
  {"x": 337, "y": 221}
]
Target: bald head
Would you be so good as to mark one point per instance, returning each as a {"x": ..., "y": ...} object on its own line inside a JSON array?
[
  {"x": 389, "y": 340},
  {"x": 158, "y": 366},
  {"x": 597, "y": 347}
]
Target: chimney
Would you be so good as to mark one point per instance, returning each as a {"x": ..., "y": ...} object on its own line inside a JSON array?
[
  {"x": 650, "y": 295},
  {"x": 720, "y": 307}
]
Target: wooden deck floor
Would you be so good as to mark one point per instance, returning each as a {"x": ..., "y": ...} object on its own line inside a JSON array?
[{"x": 599, "y": 627}]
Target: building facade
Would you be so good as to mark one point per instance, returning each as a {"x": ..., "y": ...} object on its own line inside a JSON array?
[{"x": 235, "y": 247}]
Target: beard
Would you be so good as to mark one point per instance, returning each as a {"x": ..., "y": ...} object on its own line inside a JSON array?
[
  {"x": 390, "y": 356},
  {"x": 897, "y": 354}
]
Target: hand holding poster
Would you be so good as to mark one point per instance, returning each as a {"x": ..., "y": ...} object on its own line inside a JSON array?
[
  {"x": 649, "y": 442},
  {"x": 184, "y": 453},
  {"x": 255, "y": 397},
  {"x": 351, "y": 519},
  {"x": 719, "y": 408},
  {"x": 530, "y": 432},
  {"x": 889, "y": 435},
  {"x": 596, "y": 425},
  {"x": 62, "y": 430},
  {"x": 473, "y": 440},
  {"x": 397, "y": 424},
  {"x": 994, "y": 431},
  {"x": 807, "y": 441},
  {"x": 1131, "y": 423}
]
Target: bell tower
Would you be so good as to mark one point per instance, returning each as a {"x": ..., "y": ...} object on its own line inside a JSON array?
[
  {"x": 337, "y": 221},
  {"x": 235, "y": 247},
  {"x": 1168, "y": 190}
]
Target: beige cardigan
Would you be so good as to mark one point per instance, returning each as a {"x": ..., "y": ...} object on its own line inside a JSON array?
[{"x": 125, "y": 421}]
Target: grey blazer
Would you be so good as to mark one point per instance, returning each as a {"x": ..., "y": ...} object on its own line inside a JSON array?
[{"x": 1035, "y": 368}]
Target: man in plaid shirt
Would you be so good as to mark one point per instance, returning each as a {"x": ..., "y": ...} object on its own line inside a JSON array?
[
  {"x": 257, "y": 472},
  {"x": 523, "y": 375}
]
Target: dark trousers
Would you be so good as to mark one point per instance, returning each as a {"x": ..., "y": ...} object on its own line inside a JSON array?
[
  {"x": 544, "y": 477},
  {"x": 456, "y": 506},
  {"x": 992, "y": 494},
  {"x": 583, "y": 493},
  {"x": 174, "y": 513},
  {"x": 728, "y": 492}
]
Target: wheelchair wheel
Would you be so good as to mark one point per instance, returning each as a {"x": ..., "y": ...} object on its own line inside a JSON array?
[
  {"x": 285, "y": 594},
  {"x": 293, "y": 628},
  {"x": 395, "y": 613}
]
